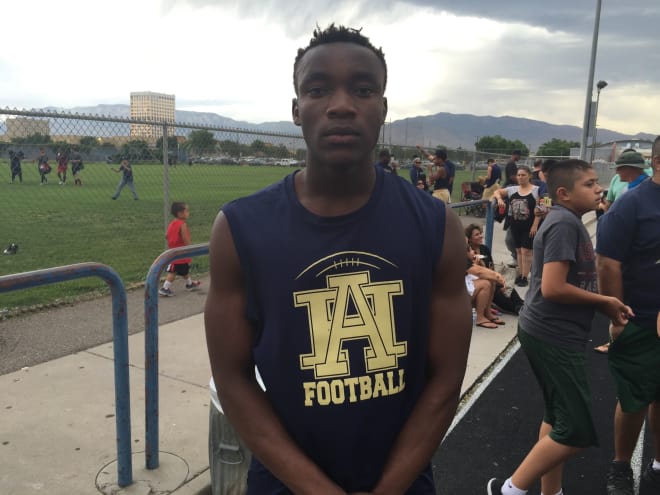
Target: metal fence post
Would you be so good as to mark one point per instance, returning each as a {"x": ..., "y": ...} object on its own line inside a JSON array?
[
  {"x": 151, "y": 344},
  {"x": 47, "y": 276},
  {"x": 166, "y": 182}
]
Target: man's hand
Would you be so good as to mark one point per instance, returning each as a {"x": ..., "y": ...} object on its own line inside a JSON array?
[{"x": 617, "y": 312}]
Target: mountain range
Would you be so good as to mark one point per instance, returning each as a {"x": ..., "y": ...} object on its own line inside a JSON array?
[{"x": 447, "y": 129}]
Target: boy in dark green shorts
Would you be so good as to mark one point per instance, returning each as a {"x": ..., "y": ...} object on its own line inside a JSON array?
[{"x": 554, "y": 327}]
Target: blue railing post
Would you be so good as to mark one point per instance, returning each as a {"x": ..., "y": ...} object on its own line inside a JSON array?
[
  {"x": 48, "y": 276},
  {"x": 151, "y": 344}
]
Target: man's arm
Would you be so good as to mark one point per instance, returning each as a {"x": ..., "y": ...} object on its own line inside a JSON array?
[
  {"x": 229, "y": 337},
  {"x": 449, "y": 342},
  {"x": 610, "y": 277}
]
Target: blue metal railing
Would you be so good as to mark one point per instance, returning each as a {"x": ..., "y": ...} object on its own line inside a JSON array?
[
  {"x": 48, "y": 276},
  {"x": 490, "y": 220},
  {"x": 151, "y": 344}
]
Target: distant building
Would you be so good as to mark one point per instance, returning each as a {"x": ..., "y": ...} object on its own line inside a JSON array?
[
  {"x": 609, "y": 152},
  {"x": 157, "y": 107},
  {"x": 22, "y": 127}
]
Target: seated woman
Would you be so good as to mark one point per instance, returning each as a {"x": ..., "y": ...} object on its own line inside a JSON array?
[
  {"x": 509, "y": 302},
  {"x": 481, "y": 284}
]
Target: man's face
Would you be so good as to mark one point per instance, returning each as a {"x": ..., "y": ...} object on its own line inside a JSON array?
[
  {"x": 340, "y": 104},
  {"x": 628, "y": 174},
  {"x": 417, "y": 163}
]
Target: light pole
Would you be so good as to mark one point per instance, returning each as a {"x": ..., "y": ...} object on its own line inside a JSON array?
[
  {"x": 600, "y": 85},
  {"x": 590, "y": 84}
]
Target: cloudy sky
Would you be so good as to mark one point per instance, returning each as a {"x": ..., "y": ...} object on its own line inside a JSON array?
[{"x": 524, "y": 58}]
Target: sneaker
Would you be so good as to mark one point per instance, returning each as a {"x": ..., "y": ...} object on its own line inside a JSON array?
[
  {"x": 166, "y": 292},
  {"x": 619, "y": 479},
  {"x": 11, "y": 249},
  {"x": 651, "y": 477},
  {"x": 522, "y": 282},
  {"x": 494, "y": 487},
  {"x": 194, "y": 285},
  {"x": 517, "y": 280}
]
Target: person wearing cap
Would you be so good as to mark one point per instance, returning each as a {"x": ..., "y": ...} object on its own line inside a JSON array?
[
  {"x": 126, "y": 179},
  {"x": 417, "y": 172},
  {"x": 627, "y": 255},
  {"x": 631, "y": 170}
]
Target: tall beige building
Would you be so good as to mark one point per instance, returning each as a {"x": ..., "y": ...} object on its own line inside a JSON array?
[{"x": 157, "y": 107}]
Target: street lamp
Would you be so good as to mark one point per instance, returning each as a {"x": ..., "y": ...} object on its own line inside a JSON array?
[{"x": 599, "y": 85}]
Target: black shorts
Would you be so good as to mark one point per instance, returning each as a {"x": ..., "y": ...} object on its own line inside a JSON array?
[
  {"x": 634, "y": 359},
  {"x": 562, "y": 375},
  {"x": 182, "y": 269},
  {"x": 520, "y": 234}
]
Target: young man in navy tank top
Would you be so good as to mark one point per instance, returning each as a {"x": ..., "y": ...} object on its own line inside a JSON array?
[{"x": 345, "y": 287}]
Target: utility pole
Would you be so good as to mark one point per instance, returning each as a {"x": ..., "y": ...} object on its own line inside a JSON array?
[{"x": 590, "y": 84}]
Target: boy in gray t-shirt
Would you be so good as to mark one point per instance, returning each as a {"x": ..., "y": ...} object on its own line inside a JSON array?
[{"x": 554, "y": 325}]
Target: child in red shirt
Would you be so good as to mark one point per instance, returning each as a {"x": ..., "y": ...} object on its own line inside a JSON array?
[{"x": 178, "y": 235}]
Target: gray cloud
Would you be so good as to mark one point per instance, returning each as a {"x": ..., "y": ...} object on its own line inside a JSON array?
[{"x": 628, "y": 52}]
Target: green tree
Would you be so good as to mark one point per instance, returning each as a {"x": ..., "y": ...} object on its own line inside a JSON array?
[
  {"x": 136, "y": 150},
  {"x": 38, "y": 139},
  {"x": 172, "y": 150},
  {"x": 231, "y": 148},
  {"x": 201, "y": 141},
  {"x": 258, "y": 147},
  {"x": 557, "y": 147},
  {"x": 501, "y": 145}
]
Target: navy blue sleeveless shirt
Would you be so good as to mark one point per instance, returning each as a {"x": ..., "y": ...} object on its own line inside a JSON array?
[{"x": 340, "y": 307}]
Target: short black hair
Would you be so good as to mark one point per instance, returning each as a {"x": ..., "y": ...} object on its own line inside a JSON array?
[
  {"x": 336, "y": 34},
  {"x": 547, "y": 164},
  {"x": 563, "y": 174},
  {"x": 178, "y": 207},
  {"x": 441, "y": 153}
]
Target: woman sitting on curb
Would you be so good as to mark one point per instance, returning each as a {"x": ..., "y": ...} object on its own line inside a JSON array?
[
  {"x": 509, "y": 302},
  {"x": 481, "y": 283}
]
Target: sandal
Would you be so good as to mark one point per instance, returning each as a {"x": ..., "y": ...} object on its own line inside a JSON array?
[
  {"x": 602, "y": 349},
  {"x": 486, "y": 324},
  {"x": 497, "y": 321}
]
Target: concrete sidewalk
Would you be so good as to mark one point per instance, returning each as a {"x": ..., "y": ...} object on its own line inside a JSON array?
[{"x": 57, "y": 423}]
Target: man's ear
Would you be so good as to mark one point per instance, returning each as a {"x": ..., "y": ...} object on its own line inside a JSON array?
[
  {"x": 384, "y": 109},
  {"x": 294, "y": 111}
]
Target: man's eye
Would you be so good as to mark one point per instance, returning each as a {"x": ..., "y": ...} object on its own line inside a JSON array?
[
  {"x": 316, "y": 91},
  {"x": 364, "y": 91}
]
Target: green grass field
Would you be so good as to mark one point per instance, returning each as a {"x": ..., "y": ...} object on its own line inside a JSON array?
[{"x": 60, "y": 225}]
